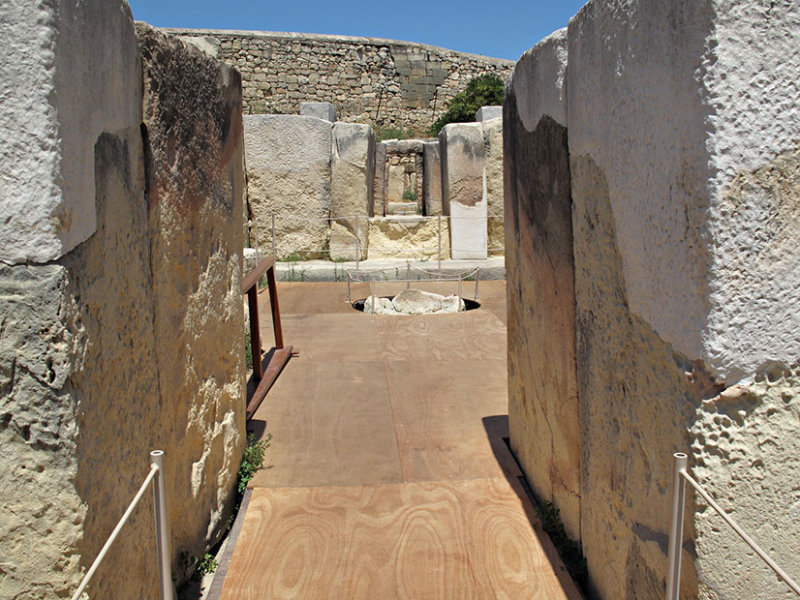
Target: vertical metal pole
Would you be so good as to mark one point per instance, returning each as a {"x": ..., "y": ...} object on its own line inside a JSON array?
[
  {"x": 274, "y": 250},
  {"x": 477, "y": 280},
  {"x": 372, "y": 294},
  {"x": 676, "y": 530},
  {"x": 255, "y": 331},
  {"x": 358, "y": 251},
  {"x": 440, "y": 246},
  {"x": 276, "y": 311},
  {"x": 349, "y": 301},
  {"x": 162, "y": 526},
  {"x": 459, "y": 294},
  {"x": 408, "y": 274}
]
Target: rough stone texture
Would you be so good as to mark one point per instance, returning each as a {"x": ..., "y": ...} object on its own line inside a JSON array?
[
  {"x": 684, "y": 228},
  {"x": 379, "y": 189},
  {"x": 321, "y": 110},
  {"x": 47, "y": 129},
  {"x": 289, "y": 175},
  {"x": 90, "y": 347},
  {"x": 744, "y": 441},
  {"x": 383, "y": 83},
  {"x": 413, "y": 302},
  {"x": 463, "y": 157},
  {"x": 487, "y": 113},
  {"x": 407, "y": 237},
  {"x": 195, "y": 191},
  {"x": 543, "y": 395},
  {"x": 431, "y": 179},
  {"x": 495, "y": 223},
  {"x": 352, "y": 176}
]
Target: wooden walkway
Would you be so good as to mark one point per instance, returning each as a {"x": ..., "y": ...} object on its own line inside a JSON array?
[{"x": 388, "y": 475}]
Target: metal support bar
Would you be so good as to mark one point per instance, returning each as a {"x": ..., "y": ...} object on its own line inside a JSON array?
[
  {"x": 741, "y": 533},
  {"x": 349, "y": 299},
  {"x": 477, "y": 280},
  {"x": 255, "y": 332},
  {"x": 162, "y": 526},
  {"x": 440, "y": 245},
  {"x": 459, "y": 294},
  {"x": 274, "y": 250},
  {"x": 676, "y": 529}
]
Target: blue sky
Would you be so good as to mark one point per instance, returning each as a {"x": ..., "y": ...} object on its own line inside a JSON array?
[{"x": 499, "y": 29}]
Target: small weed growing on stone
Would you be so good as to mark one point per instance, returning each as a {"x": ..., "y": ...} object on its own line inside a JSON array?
[
  {"x": 570, "y": 551},
  {"x": 207, "y": 564},
  {"x": 410, "y": 195},
  {"x": 252, "y": 460}
]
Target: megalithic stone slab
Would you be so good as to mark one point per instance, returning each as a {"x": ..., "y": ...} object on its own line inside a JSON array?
[
  {"x": 62, "y": 88},
  {"x": 320, "y": 110},
  {"x": 487, "y": 113},
  {"x": 289, "y": 176},
  {"x": 463, "y": 156},
  {"x": 352, "y": 175},
  {"x": 432, "y": 179}
]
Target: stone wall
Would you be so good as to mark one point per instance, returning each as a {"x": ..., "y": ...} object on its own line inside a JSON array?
[
  {"x": 680, "y": 236},
  {"x": 383, "y": 83},
  {"x": 109, "y": 348},
  {"x": 321, "y": 183}
]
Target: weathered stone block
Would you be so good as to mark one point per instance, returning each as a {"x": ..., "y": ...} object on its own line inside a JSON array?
[
  {"x": 495, "y": 227},
  {"x": 463, "y": 157},
  {"x": 320, "y": 110},
  {"x": 408, "y": 237},
  {"x": 352, "y": 176},
  {"x": 432, "y": 179},
  {"x": 487, "y": 113},
  {"x": 543, "y": 396},
  {"x": 47, "y": 127},
  {"x": 195, "y": 191},
  {"x": 289, "y": 176}
]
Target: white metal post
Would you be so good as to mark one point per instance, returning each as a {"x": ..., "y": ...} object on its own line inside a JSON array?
[
  {"x": 477, "y": 279},
  {"x": 274, "y": 251},
  {"x": 349, "y": 301},
  {"x": 372, "y": 294},
  {"x": 458, "y": 309},
  {"x": 162, "y": 526},
  {"x": 676, "y": 530},
  {"x": 440, "y": 246}
]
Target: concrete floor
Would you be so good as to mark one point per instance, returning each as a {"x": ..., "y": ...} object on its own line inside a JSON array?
[{"x": 388, "y": 475}]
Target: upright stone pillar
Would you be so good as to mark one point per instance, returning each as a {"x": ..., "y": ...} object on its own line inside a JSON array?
[{"x": 463, "y": 158}]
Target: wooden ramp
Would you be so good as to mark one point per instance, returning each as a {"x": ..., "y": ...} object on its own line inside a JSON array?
[{"x": 389, "y": 476}]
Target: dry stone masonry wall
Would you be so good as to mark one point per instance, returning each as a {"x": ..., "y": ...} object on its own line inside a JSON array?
[
  {"x": 384, "y": 83},
  {"x": 128, "y": 337},
  {"x": 681, "y": 330}
]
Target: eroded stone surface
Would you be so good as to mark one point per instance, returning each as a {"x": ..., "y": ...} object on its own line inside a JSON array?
[
  {"x": 320, "y": 110},
  {"x": 195, "y": 188},
  {"x": 352, "y": 201},
  {"x": 463, "y": 157},
  {"x": 289, "y": 176},
  {"x": 413, "y": 302},
  {"x": 48, "y": 129},
  {"x": 408, "y": 237},
  {"x": 543, "y": 394}
]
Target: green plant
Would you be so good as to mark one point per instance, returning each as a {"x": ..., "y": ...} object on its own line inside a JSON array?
[
  {"x": 252, "y": 459},
  {"x": 569, "y": 550},
  {"x": 391, "y": 132},
  {"x": 248, "y": 353},
  {"x": 295, "y": 274},
  {"x": 484, "y": 90},
  {"x": 410, "y": 195},
  {"x": 207, "y": 564}
]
